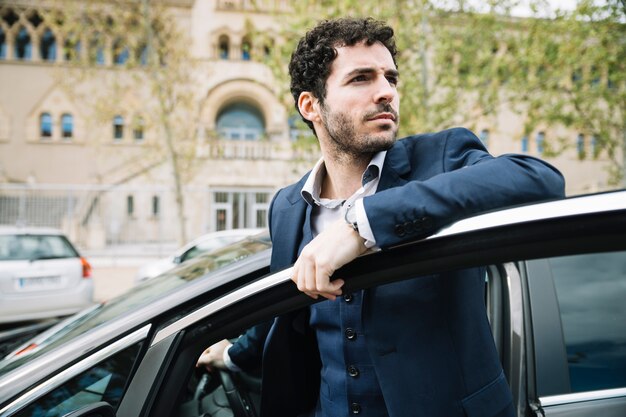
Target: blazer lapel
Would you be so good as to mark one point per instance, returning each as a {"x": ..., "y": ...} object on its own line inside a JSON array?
[
  {"x": 287, "y": 232},
  {"x": 396, "y": 166}
]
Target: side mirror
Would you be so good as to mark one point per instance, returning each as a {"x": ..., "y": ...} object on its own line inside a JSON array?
[{"x": 100, "y": 409}]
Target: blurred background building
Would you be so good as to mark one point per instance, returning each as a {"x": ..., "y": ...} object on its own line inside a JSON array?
[{"x": 97, "y": 152}]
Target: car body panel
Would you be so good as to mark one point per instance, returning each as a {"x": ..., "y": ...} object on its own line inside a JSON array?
[
  {"x": 203, "y": 244},
  {"x": 41, "y": 275},
  {"x": 197, "y": 314}
]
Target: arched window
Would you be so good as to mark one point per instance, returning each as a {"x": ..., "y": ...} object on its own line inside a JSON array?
[
  {"x": 35, "y": 19},
  {"x": 118, "y": 127},
  {"x": 595, "y": 149},
  {"x": 540, "y": 142},
  {"x": 120, "y": 53},
  {"x": 580, "y": 145},
  {"x": 67, "y": 126},
  {"x": 156, "y": 206},
  {"x": 9, "y": 17},
  {"x": 240, "y": 121},
  {"x": 138, "y": 126},
  {"x": 45, "y": 125},
  {"x": 130, "y": 205},
  {"x": 3, "y": 44},
  {"x": 224, "y": 47},
  {"x": 268, "y": 48},
  {"x": 96, "y": 49},
  {"x": 48, "y": 46},
  {"x": 23, "y": 44},
  {"x": 525, "y": 144},
  {"x": 141, "y": 54},
  {"x": 71, "y": 48},
  {"x": 246, "y": 49}
]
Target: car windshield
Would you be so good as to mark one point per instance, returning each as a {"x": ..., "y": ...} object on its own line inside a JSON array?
[
  {"x": 138, "y": 296},
  {"x": 32, "y": 247}
]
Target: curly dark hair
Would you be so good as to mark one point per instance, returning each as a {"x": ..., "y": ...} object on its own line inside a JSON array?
[{"x": 311, "y": 60}]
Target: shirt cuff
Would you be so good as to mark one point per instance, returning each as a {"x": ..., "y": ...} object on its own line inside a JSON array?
[
  {"x": 228, "y": 362},
  {"x": 364, "y": 225}
]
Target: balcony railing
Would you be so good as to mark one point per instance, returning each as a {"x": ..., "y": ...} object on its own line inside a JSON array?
[{"x": 252, "y": 150}]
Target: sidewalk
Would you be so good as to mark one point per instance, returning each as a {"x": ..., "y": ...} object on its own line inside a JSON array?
[{"x": 115, "y": 267}]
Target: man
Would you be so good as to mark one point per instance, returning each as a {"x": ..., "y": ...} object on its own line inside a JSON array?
[{"x": 421, "y": 347}]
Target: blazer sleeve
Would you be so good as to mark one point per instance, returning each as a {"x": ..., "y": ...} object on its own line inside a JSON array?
[
  {"x": 471, "y": 181},
  {"x": 247, "y": 351}
]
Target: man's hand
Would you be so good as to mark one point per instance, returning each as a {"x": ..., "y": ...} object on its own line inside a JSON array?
[
  {"x": 213, "y": 356},
  {"x": 330, "y": 250}
]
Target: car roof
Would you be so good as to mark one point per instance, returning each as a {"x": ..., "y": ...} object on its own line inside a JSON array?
[
  {"x": 16, "y": 230},
  {"x": 230, "y": 232}
]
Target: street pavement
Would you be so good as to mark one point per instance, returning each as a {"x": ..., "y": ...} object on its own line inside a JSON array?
[
  {"x": 114, "y": 268},
  {"x": 111, "y": 281}
]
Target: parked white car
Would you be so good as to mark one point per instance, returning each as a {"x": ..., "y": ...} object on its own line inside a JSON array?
[
  {"x": 203, "y": 244},
  {"x": 41, "y": 275}
]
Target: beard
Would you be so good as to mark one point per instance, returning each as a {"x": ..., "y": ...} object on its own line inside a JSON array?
[{"x": 344, "y": 140}]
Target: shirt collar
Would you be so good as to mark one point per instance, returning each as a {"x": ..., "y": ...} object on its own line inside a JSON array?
[{"x": 313, "y": 185}]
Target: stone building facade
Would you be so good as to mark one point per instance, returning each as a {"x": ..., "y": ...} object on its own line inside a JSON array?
[{"x": 96, "y": 178}]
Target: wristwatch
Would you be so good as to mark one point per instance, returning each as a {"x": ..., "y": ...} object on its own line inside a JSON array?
[{"x": 350, "y": 218}]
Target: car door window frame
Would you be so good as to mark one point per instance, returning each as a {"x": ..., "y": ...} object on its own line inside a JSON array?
[
  {"x": 74, "y": 370},
  {"x": 558, "y": 236},
  {"x": 552, "y": 381}
]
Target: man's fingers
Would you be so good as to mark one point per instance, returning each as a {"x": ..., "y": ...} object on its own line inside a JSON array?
[{"x": 333, "y": 289}]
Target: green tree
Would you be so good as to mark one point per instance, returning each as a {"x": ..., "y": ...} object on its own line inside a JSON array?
[
  {"x": 461, "y": 63},
  {"x": 133, "y": 55}
]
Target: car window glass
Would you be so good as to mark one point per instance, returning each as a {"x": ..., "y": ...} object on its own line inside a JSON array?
[
  {"x": 23, "y": 247},
  {"x": 103, "y": 382},
  {"x": 209, "y": 245},
  {"x": 591, "y": 291},
  {"x": 142, "y": 294}
]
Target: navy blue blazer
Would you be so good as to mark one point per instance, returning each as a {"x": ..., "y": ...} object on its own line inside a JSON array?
[{"x": 428, "y": 337}]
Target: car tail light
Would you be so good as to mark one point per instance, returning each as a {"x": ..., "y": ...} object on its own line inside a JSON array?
[
  {"x": 86, "y": 268},
  {"x": 26, "y": 349}
]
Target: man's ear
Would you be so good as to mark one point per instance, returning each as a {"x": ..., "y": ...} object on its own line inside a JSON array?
[{"x": 309, "y": 106}]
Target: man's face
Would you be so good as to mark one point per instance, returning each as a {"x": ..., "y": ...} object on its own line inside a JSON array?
[{"x": 360, "y": 113}]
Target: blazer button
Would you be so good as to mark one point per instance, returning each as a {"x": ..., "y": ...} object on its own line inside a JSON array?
[
  {"x": 355, "y": 408},
  {"x": 350, "y": 333},
  {"x": 353, "y": 371},
  {"x": 427, "y": 222},
  {"x": 348, "y": 298},
  {"x": 399, "y": 229}
]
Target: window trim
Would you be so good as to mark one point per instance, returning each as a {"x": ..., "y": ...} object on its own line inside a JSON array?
[
  {"x": 28, "y": 46},
  {"x": 275, "y": 294},
  {"x": 553, "y": 400},
  {"x": 56, "y": 380},
  {"x": 51, "y": 48}
]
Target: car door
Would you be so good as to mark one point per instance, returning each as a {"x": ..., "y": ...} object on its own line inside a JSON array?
[
  {"x": 505, "y": 240},
  {"x": 161, "y": 380},
  {"x": 579, "y": 333}
]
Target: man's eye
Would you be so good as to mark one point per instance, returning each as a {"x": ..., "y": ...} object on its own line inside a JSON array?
[
  {"x": 359, "y": 78},
  {"x": 393, "y": 80}
]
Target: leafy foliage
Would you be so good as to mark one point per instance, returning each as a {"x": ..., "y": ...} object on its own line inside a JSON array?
[{"x": 461, "y": 64}]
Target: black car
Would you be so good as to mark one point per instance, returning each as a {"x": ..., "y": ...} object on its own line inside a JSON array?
[{"x": 554, "y": 290}]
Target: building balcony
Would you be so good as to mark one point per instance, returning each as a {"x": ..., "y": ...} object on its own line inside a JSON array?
[{"x": 253, "y": 150}]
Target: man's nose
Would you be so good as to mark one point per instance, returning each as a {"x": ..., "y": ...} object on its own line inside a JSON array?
[{"x": 385, "y": 91}]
